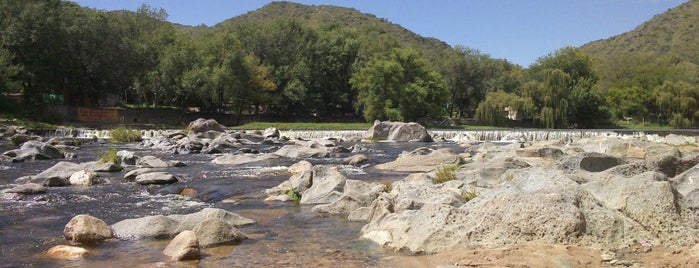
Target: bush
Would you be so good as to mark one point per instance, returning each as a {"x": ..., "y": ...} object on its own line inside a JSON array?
[
  {"x": 123, "y": 134},
  {"x": 445, "y": 173},
  {"x": 110, "y": 156},
  {"x": 294, "y": 195},
  {"x": 470, "y": 195}
]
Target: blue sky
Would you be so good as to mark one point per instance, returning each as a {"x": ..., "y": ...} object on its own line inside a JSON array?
[{"x": 517, "y": 30}]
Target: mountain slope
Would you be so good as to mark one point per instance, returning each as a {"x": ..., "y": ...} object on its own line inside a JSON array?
[
  {"x": 332, "y": 15},
  {"x": 673, "y": 33}
]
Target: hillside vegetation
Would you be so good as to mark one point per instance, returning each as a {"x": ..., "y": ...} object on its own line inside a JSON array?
[{"x": 295, "y": 62}]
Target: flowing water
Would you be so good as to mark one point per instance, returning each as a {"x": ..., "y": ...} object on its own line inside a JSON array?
[{"x": 285, "y": 234}]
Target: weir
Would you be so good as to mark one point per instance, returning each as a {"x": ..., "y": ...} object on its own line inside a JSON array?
[{"x": 437, "y": 134}]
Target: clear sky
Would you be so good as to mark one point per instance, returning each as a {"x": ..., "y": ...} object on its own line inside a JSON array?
[{"x": 517, "y": 30}]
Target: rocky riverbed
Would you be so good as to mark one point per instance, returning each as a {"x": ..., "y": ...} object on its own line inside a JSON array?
[{"x": 214, "y": 197}]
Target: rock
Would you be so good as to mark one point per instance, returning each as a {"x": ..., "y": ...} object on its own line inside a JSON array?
[
  {"x": 131, "y": 175},
  {"x": 27, "y": 188},
  {"x": 398, "y": 132},
  {"x": 67, "y": 252},
  {"x": 34, "y": 150},
  {"x": 241, "y": 159},
  {"x": 127, "y": 158},
  {"x": 355, "y": 194},
  {"x": 271, "y": 132},
  {"x": 545, "y": 152},
  {"x": 21, "y": 138},
  {"x": 158, "y": 226},
  {"x": 155, "y": 178},
  {"x": 590, "y": 162},
  {"x": 98, "y": 166},
  {"x": 355, "y": 160},
  {"x": 185, "y": 246},
  {"x": 150, "y": 161},
  {"x": 87, "y": 229},
  {"x": 57, "y": 175},
  {"x": 204, "y": 125},
  {"x": 422, "y": 160},
  {"x": 83, "y": 178},
  {"x": 189, "y": 221},
  {"x": 300, "y": 167},
  {"x": 327, "y": 184},
  {"x": 215, "y": 232},
  {"x": 299, "y": 182},
  {"x": 300, "y": 151}
]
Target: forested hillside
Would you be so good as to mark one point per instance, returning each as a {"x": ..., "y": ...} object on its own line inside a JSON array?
[{"x": 298, "y": 62}]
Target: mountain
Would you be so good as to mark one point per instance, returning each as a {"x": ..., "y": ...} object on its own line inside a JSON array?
[
  {"x": 323, "y": 15},
  {"x": 674, "y": 33}
]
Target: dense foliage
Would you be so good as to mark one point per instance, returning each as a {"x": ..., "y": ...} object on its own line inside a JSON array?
[{"x": 291, "y": 61}]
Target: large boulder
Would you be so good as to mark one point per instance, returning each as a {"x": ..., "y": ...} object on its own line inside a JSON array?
[
  {"x": 204, "y": 125},
  {"x": 157, "y": 226},
  {"x": 127, "y": 158},
  {"x": 34, "y": 150},
  {"x": 87, "y": 229},
  {"x": 185, "y": 246},
  {"x": 327, "y": 184},
  {"x": 67, "y": 252},
  {"x": 83, "y": 178},
  {"x": 57, "y": 175},
  {"x": 150, "y": 161},
  {"x": 99, "y": 166},
  {"x": 356, "y": 194},
  {"x": 189, "y": 221},
  {"x": 422, "y": 160},
  {"x": 398, "y": 131},
  {"x": 215, "y": 232},
  {"x": 271, "y": 132}
]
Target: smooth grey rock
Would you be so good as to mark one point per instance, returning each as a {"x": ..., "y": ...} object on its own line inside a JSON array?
[
  {"x": 83, "y": 178},
  {"x": 355, "y": 160},
  {"x": 84, "y": 228},
  {"x": 34, "y": 150},
  {"x": 204, "y": 125},
  {"x": 398, "y": 132},
  {"x": 422, "y": 160},
  {"x": 326, "y": 187},
  {"x": 215, "y": 232},
  {"x": 271, "y": 132},
  {"x": 155, "y": 178},
  {"x": 127, "y": 158},
  {"x": 58, "y": 174},
  {"x": 240, "y": 159},
  {"x": 356, "y": 194},
  {"x": 131, "y": 175},
  {"x": 97, "y": 166},
  {"x": 189, "y": 221},
  {"x": 158, "y": 226},
  {"x": 185, "y": 246}
]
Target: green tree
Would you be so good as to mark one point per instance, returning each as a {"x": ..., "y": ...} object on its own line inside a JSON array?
[
  {"x": 400, "y": 87},
  {"x": 677, "y": 100},
  {"x": 499, "y": 105},
  {"x": 628, "y": 101}
]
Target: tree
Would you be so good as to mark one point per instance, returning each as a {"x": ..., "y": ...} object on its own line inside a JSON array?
[
  {"x": 677, "y": 102},
  {"x": 499, "y": 105},
  {"x": 628, "y": 101},
  {"x": 400, "y": 87}
]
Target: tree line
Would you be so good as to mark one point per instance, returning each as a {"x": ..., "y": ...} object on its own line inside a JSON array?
[{"x": 57, "y": 51}]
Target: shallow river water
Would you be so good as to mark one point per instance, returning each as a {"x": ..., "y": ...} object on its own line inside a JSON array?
[{"x": 285, "y": 234}]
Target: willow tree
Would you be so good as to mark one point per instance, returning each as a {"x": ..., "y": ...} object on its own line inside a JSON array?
[
  {"x": 401, "y": 87},
  {"x": 677, "y": 103},
  {"x": 499, "y": 106}
]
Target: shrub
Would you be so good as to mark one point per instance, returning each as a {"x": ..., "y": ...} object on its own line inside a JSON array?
[
  {"x": 294, "y": 195},
  {"x": 471, "y": 194},
  {"x": 123, "y": 134},
  {"x": 110, "y": 156},
  {"x": 445, "y": 173}
]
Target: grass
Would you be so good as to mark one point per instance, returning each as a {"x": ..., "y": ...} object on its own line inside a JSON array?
[
  {"x": 110, "y": 156},
  {"x": 470, "y": 194},
  {"x": 632, "y": 124},
  {"x": 303, "y": 126},
  {"x": 123, "y": 134},
  {"x": 30, "y": 124},
  {"x": 294, "y": 196},
  {"x": 445, "y": 173}
]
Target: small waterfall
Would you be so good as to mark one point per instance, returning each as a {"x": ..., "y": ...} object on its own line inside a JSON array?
[
  {"x": 319, "y": 134},
  {"x": 519, "y": 135}
]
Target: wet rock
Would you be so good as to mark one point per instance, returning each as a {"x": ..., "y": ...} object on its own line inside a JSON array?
[
  {"x": 326, "y": 187},
  {"x": 83, "y": 178},
  {"x": 87, "y": 229},
  {"x": 189, "y": 221},
  {"x": 303, "y": 151},
  {"x": 98, "y": 166},
  {"x": 185, "y": 246},
  {"x": 203, "y": 125},
  {"x": 355, "y": 160},
  {"x": 28, "y": 188},
  {"x": 158, "y": 226},
  {"x": 398, "y": 132},
  {"x": 21, "y": 138},
  {"x": 155, "y": 178},
  {"x": 150, "y": 161},
  {"x": 67, "y": 252},
  {"x": 271, "y": 132},
  {"x": 57, "y": 175},
  {"x": 127, "y": 158},
  {"x": 215, "y": 232},
  {"x": 131, "y": 175},
  {"x": 422, "y": 160},
  {"x": 240, "y": 159},
  {"x": 34, "y": 150}
]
